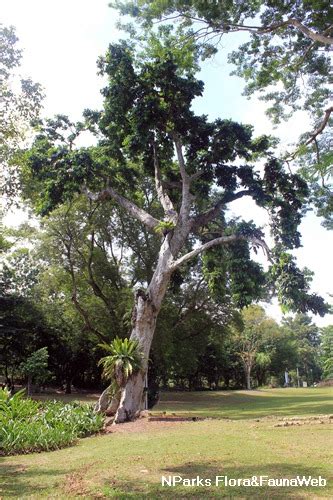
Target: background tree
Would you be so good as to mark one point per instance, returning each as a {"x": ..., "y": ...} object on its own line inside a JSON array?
[
  {"x": 35, "y": 368},
  {"x": 327, "y": 351},
  {"x": 20, "y": 104},
  {"x": 307, "y": 339},
  {"x": 250, "y": 340}
]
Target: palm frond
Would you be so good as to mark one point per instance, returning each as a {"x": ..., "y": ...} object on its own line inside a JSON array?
[{"x": 124, "y": 360}]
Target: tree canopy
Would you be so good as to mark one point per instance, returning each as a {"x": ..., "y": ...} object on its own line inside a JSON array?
[
  {"x": 147, "y": 116},
  {"x": 283, "y": 55}
]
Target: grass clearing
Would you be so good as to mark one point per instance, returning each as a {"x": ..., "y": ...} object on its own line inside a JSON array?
[
  {"x": 248, "y": 404},
  {"x": 130, "y": 464}
]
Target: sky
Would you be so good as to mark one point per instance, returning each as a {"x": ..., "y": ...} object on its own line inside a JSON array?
[{"x": 61, "y": 42}]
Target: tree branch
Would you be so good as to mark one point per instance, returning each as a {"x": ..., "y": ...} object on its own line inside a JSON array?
[
  {"x": 321, "y": 127},
  {"x": 222, "y": 240},
  {"x": 231, "y": 28},
  {"x": 130, "y": 207},
  {"x": 87, "y": 323},
  {"x": 163, "y": 196},
  {"x": 317, "y": 37},
  {"x": 314, "y": 134},
  {"x": 183, "y": 225},
  {"x": 197, "y": 175},
  {"x": 181, "y": 161},
  {"x": 208, "y": 216}
]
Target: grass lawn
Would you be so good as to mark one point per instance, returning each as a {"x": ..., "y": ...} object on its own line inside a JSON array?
[
  {"x": 130, "y": 462},
  {"x": 249, "y": 404}
]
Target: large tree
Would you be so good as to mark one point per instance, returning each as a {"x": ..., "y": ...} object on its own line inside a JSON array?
[
  {"x": 307, "y": 340},
  {"x": 250, "y": 339},
  {"x": 327, "y": 351},
  {"x": 174, "y": 173}
]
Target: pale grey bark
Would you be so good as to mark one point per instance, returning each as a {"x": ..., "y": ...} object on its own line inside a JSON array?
[
  {"x": 102, "y": 404},
  {"x": 162, "y": 194},
  {"x": 317, "y": 37},
  {"x": 147, "y": 307},
  {"x": 108, "y": 402},
  {"x": 148, "y": 303},
  {"x": 223, "y": 240},
  {"x": 130, "y": 207}
]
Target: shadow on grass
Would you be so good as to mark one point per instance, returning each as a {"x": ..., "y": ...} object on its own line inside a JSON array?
[
  {"x": 143, "y": 488},
  {"x": 14, "y": 479}
]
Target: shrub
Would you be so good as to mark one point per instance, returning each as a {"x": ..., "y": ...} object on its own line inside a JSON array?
[{"x": 27, "y": 426}]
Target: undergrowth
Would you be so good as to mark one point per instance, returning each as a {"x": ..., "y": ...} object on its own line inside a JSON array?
[{"x": 28, "y": 426}]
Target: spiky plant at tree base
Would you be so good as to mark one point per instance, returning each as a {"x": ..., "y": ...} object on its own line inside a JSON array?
[{"x": 123, "y": 361}]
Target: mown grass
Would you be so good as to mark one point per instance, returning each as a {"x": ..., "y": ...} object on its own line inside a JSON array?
[
  {"x": 232, "y": 404},
  {"x": 248, "y": 404},
  {"x": 130, "y": 464}
]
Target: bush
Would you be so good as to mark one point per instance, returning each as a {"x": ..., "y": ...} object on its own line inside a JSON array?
[{"x": 27, "y": 426}]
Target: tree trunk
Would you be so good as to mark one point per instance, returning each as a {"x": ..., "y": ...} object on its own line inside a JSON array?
[
  {"x": 113, "y": 404},
  {"x": 68, "y": 389},
  {"x": 143, "y": 331},
  {"x": 145, "y": 312},
  {"x": 248, "y": 377},
  {"x": 29, "y": 385}
]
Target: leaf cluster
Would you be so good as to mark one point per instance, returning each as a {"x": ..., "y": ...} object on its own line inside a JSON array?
[{"x": 124, "y": 360}]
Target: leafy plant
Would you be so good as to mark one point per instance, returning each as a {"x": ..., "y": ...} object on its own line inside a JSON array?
[
  {"x": 16, "y": 407},
  {"x": 123, "y": 361},
  {"x": 35, "y": 367},
  {"x": 164, "y": 227},
  {"x": 27, "y": 426}
]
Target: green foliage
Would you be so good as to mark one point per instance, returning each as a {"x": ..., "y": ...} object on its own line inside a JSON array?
[
  {"x": 28, "y": 426},
  {"x": 16, "y": 407},
  {"x": 19, "y": 273},
  {"x": 293, "y": 286},
  {"x": 263, "y": 359},
  {"x": 275, "y": 51},
  {"x": 327, "y": 351},
  {"x": 164, "y": 227},
  {"x": 306, "y": 338},
  {"x": 147, "y": 103},
  {"x": 285, "y": 64},
  {"x": 230, "y": 270},
  {"x": 124, "y": 360},
  {"x": 21, "y": 103},
  {"x": 35, "y": 366},
  {"x": 147, "y": 107}
]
